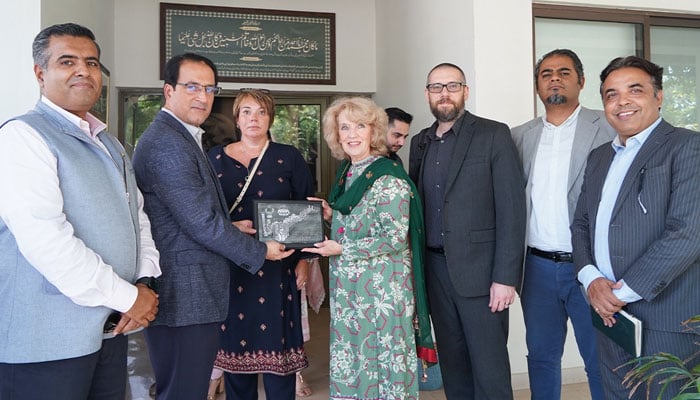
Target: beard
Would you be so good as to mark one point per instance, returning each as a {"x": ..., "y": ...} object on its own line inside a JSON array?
[
  {"x": 556, "y": 99},
  {"x": 446, "y": 115}
]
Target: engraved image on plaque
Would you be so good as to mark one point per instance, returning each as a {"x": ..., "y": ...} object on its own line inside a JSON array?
[{"x": 295, "y": 223}]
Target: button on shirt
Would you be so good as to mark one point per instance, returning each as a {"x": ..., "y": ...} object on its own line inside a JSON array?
[
  {"x": 436, "y": 166},
  {"x": 624, "y": 156},
  {"x": 548, "y": 228}
]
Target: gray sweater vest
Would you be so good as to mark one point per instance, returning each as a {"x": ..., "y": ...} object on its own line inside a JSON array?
[{"x": 37, "y": 322}]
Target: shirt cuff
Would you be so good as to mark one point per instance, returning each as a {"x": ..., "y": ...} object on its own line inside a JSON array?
[
  {"x": 149, "y": 267},
  {"x": 124, "y": 296},
  {"x": 626, "y": 294},
  {"x": 588, "y": 274}
]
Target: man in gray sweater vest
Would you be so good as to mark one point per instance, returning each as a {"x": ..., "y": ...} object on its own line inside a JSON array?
[{"x": 75, "y": 244}]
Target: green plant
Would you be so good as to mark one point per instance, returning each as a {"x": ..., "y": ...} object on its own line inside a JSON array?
[{"x": 667, "y": 368}]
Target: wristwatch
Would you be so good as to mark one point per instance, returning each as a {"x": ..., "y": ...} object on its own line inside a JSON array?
[{"x": 149, "y": 282}]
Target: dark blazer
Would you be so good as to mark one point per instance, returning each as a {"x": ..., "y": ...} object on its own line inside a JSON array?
[
  {"x": 484, "y": 209},
  {"x": 190, "y": 226},
  {"x": 592, "y": 130},
  {"x": 656, "y": 252}
]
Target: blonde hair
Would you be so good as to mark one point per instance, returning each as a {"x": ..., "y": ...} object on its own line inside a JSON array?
[
  {"x": 261, "y": 97},
  {"x": 359, "y": 110}
]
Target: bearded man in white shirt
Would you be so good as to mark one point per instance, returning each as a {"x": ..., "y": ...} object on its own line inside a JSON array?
[
  {"x": 75, "y": 244},
  {"x": 553, "y": 149}
]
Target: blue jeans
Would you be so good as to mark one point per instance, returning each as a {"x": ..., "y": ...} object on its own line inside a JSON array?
[{"x": 549, "y": 297}]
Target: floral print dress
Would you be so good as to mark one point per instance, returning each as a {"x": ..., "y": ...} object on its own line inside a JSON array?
[{"x": 372, "y": 343}]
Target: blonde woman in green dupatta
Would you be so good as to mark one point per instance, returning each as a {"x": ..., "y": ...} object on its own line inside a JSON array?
[{"x": 379, "y": 311}]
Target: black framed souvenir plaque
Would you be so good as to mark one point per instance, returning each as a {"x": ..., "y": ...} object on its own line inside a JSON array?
[{"x": 295, "y": 223}]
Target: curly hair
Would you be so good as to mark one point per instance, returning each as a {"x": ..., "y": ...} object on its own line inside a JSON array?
[{"x": 359, "y": 110}]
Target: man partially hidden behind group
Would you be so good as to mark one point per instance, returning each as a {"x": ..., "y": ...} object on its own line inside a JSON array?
[
  {"x": 73, "y": 237},
  {"x": 636, "y": 229},
  {"x": 396, "y": 135}
]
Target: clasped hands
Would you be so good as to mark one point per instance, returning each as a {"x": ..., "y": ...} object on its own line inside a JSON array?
[
  {"x": 141, "y": 313},
  {"x": 604, "y": 301}
]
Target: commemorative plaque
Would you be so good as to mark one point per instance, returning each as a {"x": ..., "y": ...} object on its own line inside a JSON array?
[{"x": 295, "y": 223}]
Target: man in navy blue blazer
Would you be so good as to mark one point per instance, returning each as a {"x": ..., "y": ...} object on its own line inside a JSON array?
[
  {"x": 192, "y": 230},
  {"x": 636, "y": 229}
]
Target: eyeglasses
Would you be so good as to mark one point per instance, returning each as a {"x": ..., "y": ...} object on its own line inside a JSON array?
[
  {"x": 451, "y": 87},
  {"x": 196, "y": 88},
  {"x": 248, "y": 90}
]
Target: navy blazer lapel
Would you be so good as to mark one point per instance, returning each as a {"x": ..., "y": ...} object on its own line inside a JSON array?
[
  {"x": 650, "y": 147},
  {"x": 464, "y": 132},
  {"x": 179, "y": 128},
  {"x": 202, "y": 158}
]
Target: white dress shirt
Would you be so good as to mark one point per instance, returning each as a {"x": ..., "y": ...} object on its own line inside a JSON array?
[
  {"x": 31, "y": 205},
  {"x": 548, "y": 228},
  {"x": 624, "y": 156}
]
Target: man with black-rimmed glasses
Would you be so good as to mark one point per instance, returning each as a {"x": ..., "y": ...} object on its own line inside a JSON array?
[{"x": 470, "y": 179}]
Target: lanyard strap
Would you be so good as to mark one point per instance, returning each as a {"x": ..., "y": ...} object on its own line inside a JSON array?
[{"x": 249, "y": 178}]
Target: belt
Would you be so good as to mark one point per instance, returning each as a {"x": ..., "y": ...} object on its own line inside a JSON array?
[
  {"x": 556, "y": 256},
  {"x": 436, "y": 249}
]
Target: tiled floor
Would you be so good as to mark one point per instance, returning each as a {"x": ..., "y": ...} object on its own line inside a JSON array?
[{"x": 141, "y": 375}]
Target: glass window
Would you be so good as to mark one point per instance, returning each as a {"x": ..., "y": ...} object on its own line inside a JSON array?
[
  {"x": 139, "y": 111},
  {"x": 678, "y": 51},
  {"x": 297, "y": 123},
  {"x": 620, "y": 39},
  {"x": 598, "y": 35}
]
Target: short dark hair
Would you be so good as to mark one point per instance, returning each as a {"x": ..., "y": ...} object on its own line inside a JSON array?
[
  {"x": 395, "y": 113},
  {"x": 40, "y": 45},
  {"x": 171, "y": 72},
  {"x": 444, "y": 65},
  {"x": 654, "y": 71},
  {"x": 578, "y": 65}
]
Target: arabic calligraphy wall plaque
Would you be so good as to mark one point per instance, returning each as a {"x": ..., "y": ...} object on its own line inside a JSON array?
[
  {"x": 296, "y": 223},
  {"x": 252, "y": 45}
]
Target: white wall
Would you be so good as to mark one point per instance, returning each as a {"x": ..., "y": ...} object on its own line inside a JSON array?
[
  {"x": 20, "y": 21},
  {"x": 98, "y": 16}
]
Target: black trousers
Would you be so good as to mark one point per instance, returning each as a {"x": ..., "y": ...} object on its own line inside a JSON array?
[
  {"x": 100, "y": 376},
  {"x": 245, "y": 386},
  {"x": 182, "y": 359},
  {"x": 471, "y": 340}
]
